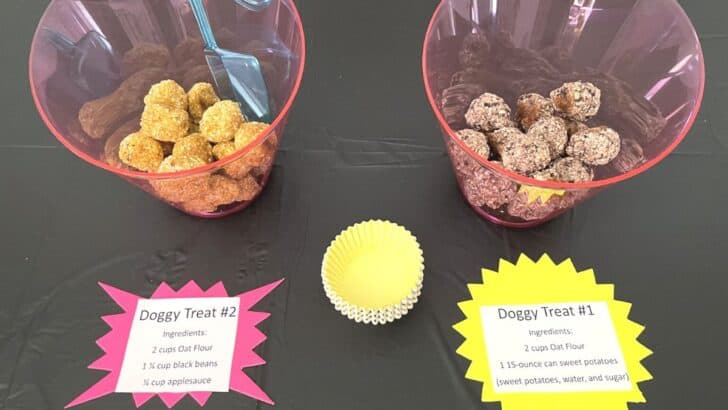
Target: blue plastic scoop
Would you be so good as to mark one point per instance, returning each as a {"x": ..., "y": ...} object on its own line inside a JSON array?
[
  {"x": 236, "y": 75},
  {"x": 254, "y": 5},
  {"x": 91, "y": 63}
]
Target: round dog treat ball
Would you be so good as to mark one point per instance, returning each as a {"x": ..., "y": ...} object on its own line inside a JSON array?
[
  {"x": 219, "y": 122},
  {"x": 553, "y": 131},
  {"x": 578, "y": 101},
  {"x": 594, "y": 146},
  {"x": 463, "y": 162},
  {"x": 474, "y": 51},
  {"x": 485, "y": 188},
  {"x": 167, "y": 93},
  {"x": 141, "y": 152},
  {"x": 525, "y": 155},
  {"x": 631, "y": 155},
  {"x": 488, "y": 113},
  {"x": 223, "y": 149},
  {"x": 248, "y": 132},
  {"x": 201, "y": 97},
  {"x": 174, "y": 164},
  {"x": 531, "y": 108},
  {"x": 567, "y": 169},
  {"x": 164, "y": 123},
  {"x": 193, "y": 145},
  {"x": 498, "y": 138},
  {"x": 476, "y": 141}
]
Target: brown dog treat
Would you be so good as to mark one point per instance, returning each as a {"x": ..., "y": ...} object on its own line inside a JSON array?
[
  {"x": 525, "y": 155},
  {"x": 196, "y": 74},
  {"x": 111, "y": 146},
  {"x": 190, "y": 51},
  {"x": 553, "y": 131},
  {"x": 566, "y": 170},
  {"x": 486, "y": 188},
  {"x": 532, "y": 107},
  {"x": 488, "y": 113},
  {"x": 474, "y": 50},
  {"x": 631, "y": 155},
  {"x": 144, "y": 56},
  {"x": 249, "y": 188},
  {"x": 595, "y": 146},
  {"x": 578, "y": 101},
  {"x": 101, "y": 117},
  {"x": 476, "y": 141},
  {"x": 498, "y": 138}
]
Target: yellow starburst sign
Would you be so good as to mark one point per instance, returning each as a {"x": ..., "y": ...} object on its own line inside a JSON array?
[
  {"x": 539, "y": 283},
  {"x": 544, "y": 194}
]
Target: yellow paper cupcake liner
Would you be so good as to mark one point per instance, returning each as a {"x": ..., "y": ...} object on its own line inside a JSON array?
[{"x": 373, "y": 272}]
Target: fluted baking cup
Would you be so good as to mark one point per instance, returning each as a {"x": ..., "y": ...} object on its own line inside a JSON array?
[{"x": 373, "y": 271}]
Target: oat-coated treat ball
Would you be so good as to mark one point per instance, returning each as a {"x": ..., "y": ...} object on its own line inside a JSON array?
[
  {"x": 488, "y": 113},
  {"x": 498, "y": 138},
  {"x": 531, "y": 108},
  {"x": 262, "y": 154},
  {"x": 476, "y": 141},
  {"x": 463, "y": 162},
  {"x": 167, "y": 93},
  {"x": 566, "y": 170},
  {"x": 173, "y": 164},
  {"x": 474, "y": 50},
  {"x": 221, "y": 121},
  {"x": 201, "y": 97},
  {"x": 631, "y": 155},
  {"x": 553, "y": 131},
  {"x": 521, "y": 208},
  {"x": 248, "y": 132},
  {"x": 193, "y": 145},
  {"x": 578, "y": 101},
  {"x": 595, "y": 146},
  {"x": 111, "y": 146},
  {"x": 141, "y": 152},
  {"x": 574, "y": 127},
  {"x": 164, "y": 123},
  {"x": 223, "y": 149},
  {"x": 525, "y": 155},
  {"x": 486, "y": 188}
]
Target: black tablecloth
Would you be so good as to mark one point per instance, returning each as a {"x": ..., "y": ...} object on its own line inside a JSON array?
[{"x": 361, "y": 143}]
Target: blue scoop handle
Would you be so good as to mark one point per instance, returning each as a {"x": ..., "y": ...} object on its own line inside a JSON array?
[
  {"x": 254, "y": 5},
  {"x": 198, "y": 9}
]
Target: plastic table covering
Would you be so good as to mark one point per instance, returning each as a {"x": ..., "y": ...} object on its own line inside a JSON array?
[{"x": 361, "y": 143}]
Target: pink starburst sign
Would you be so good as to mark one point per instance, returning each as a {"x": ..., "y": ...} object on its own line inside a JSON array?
[{"x": 190, "y": 341}]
